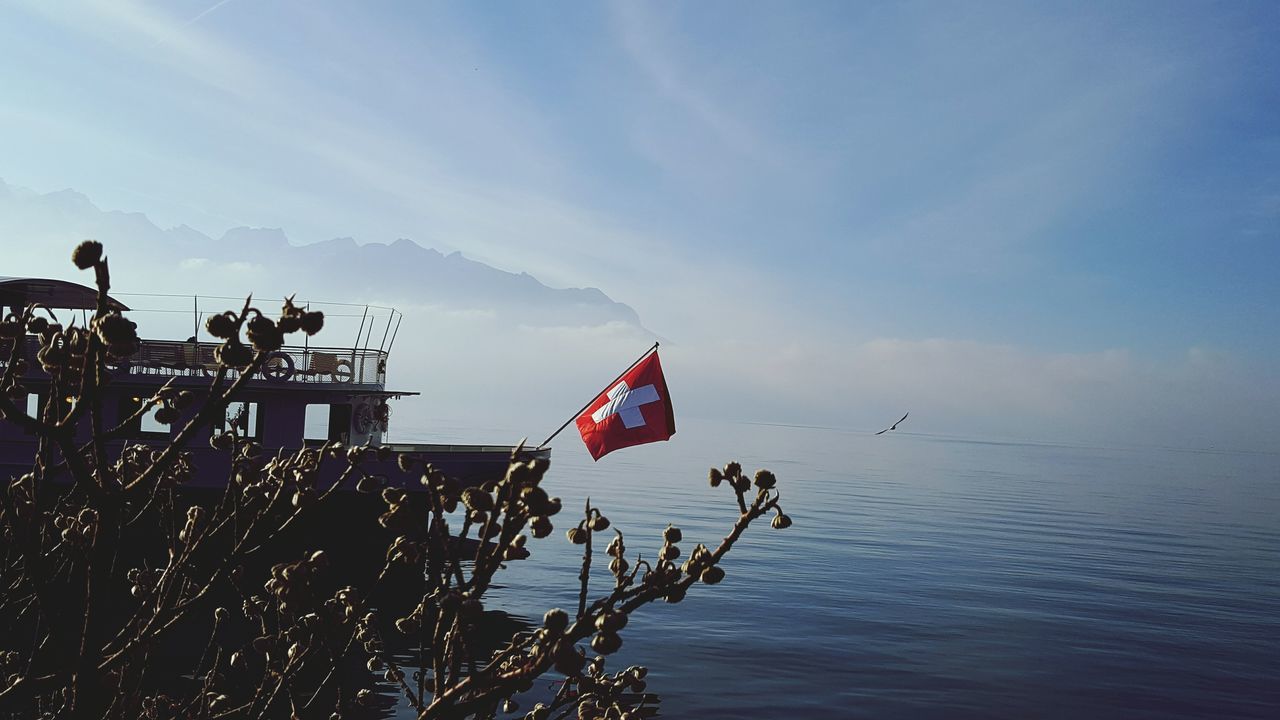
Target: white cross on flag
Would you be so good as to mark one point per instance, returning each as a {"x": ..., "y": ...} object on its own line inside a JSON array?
[{"x": 634, "y": 410}]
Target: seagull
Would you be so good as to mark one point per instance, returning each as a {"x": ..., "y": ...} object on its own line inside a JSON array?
[{"x": 894, "y": 426}]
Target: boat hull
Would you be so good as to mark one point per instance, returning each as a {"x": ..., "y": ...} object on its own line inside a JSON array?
[{"x": 467, "y": 465}]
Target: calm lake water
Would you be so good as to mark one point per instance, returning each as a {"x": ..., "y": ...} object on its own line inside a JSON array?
[{"x": 934, "y": 577}]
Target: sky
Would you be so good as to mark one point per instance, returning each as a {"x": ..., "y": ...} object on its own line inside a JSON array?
[{"x": 1040, "y": 219}]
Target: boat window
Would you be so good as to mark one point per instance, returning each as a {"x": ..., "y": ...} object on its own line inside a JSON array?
[
  {"x": 150, "y": 425},
  {"x": 34, "y": 403},
  {"x": 245, "y": 417},
  {"x": 144, "y": 426},
  {"x": 340, "y": 422},
  {"x": 326, "y": 422},
  {"x": 315, "y": 427}
]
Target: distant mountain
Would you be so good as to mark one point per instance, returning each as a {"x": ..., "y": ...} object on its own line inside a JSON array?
[{"x": 37, "y": 232}]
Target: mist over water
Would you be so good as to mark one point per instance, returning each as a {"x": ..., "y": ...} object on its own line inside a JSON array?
[{"x": 935, "y": 577}]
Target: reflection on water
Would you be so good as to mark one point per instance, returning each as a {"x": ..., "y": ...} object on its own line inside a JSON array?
[
  {"x": 493, "y": 630},
  {"x": 940, "y": 578}
]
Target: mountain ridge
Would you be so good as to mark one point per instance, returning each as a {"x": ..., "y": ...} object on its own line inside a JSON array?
[{"x": 399, "y": 271}]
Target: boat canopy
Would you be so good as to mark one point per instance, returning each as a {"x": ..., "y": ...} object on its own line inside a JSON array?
[{"x": 20, "y": 292}]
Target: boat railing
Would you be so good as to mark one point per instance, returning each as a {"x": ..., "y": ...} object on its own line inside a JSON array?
[{"x": 173, "y": 358}]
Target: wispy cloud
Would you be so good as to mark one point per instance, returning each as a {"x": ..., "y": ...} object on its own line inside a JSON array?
[
  {"x": 207, "y": 11},
  {"x": 489, "y": 219},
  {"x": 650, "y": 45}
]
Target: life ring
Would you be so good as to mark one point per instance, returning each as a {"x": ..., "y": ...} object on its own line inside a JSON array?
[
  {"x": 342, "y": 371},
  {"x": 278, "y": 366}
]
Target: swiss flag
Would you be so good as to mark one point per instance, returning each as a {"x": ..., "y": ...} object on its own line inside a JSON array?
[{"x": 634, "y": 410}]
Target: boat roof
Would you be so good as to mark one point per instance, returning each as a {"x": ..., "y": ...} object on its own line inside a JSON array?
[{"x": 19, "y": 292}]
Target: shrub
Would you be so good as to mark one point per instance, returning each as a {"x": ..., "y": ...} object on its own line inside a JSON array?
[{"x": 124, "y": 597}]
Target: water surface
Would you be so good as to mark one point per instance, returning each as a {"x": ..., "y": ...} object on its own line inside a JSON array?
[{"x": 933, "y": 577}]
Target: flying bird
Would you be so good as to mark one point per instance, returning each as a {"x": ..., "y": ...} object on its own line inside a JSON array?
[{"x": 894, "y": 426}]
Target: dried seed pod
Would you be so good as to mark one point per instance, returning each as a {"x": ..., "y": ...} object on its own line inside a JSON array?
[
  {"x": 264, "y": 335},
  {"x": 618, "y": 566},
  {"x": 312, "y": 322},
  {"x": 319, "y": 560},
  {"x": 477, "y": 499},
  {"x": 260, "y": 323},
  {"x": 765, "y": 480},
  {"x": 289, "y": 323},
  {"x": 577, "y": 536},
  {"x": 264, "y": 644},
  {"x": 221, "y": 326},
  {"x": 556, "y": 620},
  {"x": 716, "y": 477},
  {"x": 712, "y": 575},
  {"x": 616, "y": 547},
  {"x": 113, "y": 328},
  {"x": 611, "y": 621},
  {"x": 606, "y": 643},
  {"x": 87, "y": 254},
  {"x": 672, "y": 534},
  {"x": 534, "y": 498},
  {"x": 540, "y": 526},
  {"x": 599, "y": 523},
  {"x": 669, "y": 552},
  {"x": 568, "y": 661},
  {"x": 407, "y": 625},
  {"x": 233, "y": 354},
  {"x": 781, "y": 521}
]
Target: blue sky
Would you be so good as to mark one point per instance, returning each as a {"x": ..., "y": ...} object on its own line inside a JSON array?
[{"x": 1080, "y": 181}]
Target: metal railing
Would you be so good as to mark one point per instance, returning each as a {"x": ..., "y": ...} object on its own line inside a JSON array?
[{"x": 171, "y": 358}]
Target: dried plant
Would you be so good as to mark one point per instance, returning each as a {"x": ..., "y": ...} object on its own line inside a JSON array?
[{"x": 108, "y": 564}]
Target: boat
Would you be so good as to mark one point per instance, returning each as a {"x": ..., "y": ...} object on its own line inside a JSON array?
[{"x": 344, "y": 386}]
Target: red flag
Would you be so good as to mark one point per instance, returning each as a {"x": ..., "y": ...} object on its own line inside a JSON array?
[{"x": 635, "y": 410}]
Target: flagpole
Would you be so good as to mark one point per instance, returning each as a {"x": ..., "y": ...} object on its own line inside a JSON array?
[{"x": 573, "y": 417}]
